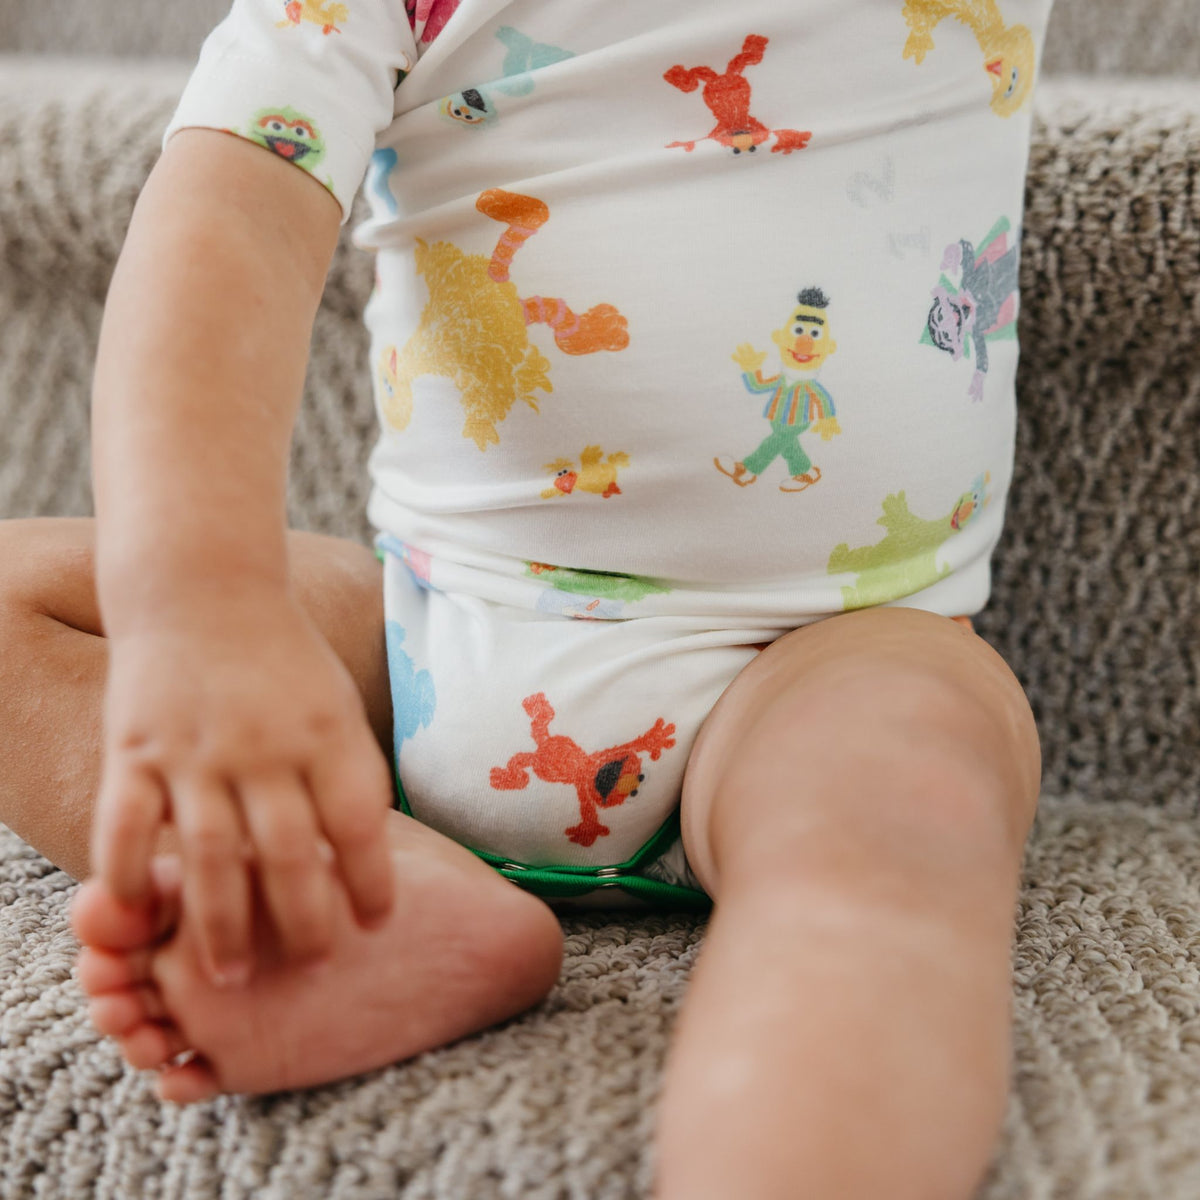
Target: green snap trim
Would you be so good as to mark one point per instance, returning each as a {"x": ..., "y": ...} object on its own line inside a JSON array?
[{"x": 564, "y": 883}]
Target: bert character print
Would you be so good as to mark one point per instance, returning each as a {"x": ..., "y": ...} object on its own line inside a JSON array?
[{"x": 796, "y": 401}]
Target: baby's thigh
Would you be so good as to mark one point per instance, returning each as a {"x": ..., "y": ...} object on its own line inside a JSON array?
[
  {"x": 888, "y": 719},
  {"x": 48, "y": 566}
]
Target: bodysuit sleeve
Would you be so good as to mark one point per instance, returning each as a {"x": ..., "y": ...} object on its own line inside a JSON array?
[{"x": 312, "y": 81}]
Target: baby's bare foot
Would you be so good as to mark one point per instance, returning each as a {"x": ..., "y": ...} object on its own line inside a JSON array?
[{"x": 462, "y": 949}]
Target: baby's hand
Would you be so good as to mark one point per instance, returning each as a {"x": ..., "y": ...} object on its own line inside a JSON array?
[
  {"x": 748, "y": 358},
  {"x": 237, "y": 723}
]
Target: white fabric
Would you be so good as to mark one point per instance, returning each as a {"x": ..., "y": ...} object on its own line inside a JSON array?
[
  {"x": 691, "y": 253},
  {"x": 547, "y": 741},
  {"x": 680, "y": 315}
]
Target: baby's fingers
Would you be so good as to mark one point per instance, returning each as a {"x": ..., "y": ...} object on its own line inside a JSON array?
[
  {"x": 294, "y": 880},
  {"x": 353, "y": 794},
  {"x": 216, "y": 881},
  {"x": 129, "y": 813}
]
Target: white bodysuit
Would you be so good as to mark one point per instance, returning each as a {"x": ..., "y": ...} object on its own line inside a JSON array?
[{"x": 693, "y": 323}]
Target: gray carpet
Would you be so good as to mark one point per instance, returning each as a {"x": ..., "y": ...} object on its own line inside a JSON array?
[
  {"x": 1097, "y": 605},
  {"x": 559, "y": 1103}
]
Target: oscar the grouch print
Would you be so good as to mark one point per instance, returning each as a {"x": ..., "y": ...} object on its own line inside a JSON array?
[{"x": 289, "y": 134}]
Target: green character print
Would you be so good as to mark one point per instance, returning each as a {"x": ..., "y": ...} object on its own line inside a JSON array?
[
  {"x": 796, "y": 402},
  {"x": 905, "y": 562},
  {"x": 289, "y": 134},
  {"x": 608, "y": 585}
]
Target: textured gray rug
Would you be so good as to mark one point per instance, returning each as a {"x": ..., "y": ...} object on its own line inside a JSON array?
[{"x": 559, "y": 1103}]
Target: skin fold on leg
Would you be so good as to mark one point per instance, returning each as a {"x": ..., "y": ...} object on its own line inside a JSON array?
[
  {"x": 462, "y": 948},
  {"x": 53, "y": 659},
  {"x": 857, "y": 803}
]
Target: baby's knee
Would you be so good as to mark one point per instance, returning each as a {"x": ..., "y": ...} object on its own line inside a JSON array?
[
  {"x": 897, "y": 721},
  {"x": 906, "y": 686}
]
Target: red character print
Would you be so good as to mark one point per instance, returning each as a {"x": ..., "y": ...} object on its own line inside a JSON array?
[
  {"x": 602, "y": 780},
  {"x": 728, "y": 99}
]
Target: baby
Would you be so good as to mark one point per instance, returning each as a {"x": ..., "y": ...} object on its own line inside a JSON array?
[{"x": 693, "y": 346}]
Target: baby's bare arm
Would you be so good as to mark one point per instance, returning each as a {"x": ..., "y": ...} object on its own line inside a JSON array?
[
  {"x": 201, "y": 362},
  {"x": 226, "y": 712}
]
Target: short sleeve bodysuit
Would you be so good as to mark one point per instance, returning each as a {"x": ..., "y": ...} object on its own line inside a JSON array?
[
  {"x": 696, "y": 321},
  {"x": 720, "y": 296}
]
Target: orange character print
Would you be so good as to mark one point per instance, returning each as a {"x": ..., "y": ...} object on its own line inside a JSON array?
[
  {"x": 728, "y": 99},
  {"x": 601, "y": 780}
]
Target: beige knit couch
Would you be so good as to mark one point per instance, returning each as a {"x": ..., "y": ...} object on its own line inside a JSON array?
[{"x": 1096, "y": 604}]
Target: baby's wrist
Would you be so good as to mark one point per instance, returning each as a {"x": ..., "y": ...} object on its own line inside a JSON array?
[{"x": 216, "y": 602}]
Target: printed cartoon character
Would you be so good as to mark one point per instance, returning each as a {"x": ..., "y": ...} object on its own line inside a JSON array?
[
  {"x": 418, "y": 562},
  {"x": 525, "y": 55},
  {"x": 601, "y": 780},
  {"x": 383, "y": 163},
  {"x": 428, "y": 17},
  {"x": 474, "y": 329},
  {"x": 468, "y": 107},
  {"x": 728, "y": 99},
  {"x": 983, "y": 307},
  {"x": 287, "y": 133},
  {"x": 476, "y": 106},
  {"x": 796, "y": 402},
  {"x": 329, "y": 15},
  {"x": 1008, "y": 52},
  {"x": 413, "y": 698},
  {"x": 578, "y": 608},
  {"x": 595, "y": 474},
  {"x": 905, "y": 561},
  {"x": 608, "y": 585}
]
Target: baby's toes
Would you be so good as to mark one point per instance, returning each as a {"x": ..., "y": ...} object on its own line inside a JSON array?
[
  {"x": 100, "y": 971},
  {"x": 151, "y": 1044},
  {"x": 100, "y": 919},
  {"x": 120, "y": 1012},
  {"x": 187, "y": 1083}
]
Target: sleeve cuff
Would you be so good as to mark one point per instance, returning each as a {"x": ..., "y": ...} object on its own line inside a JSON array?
[{"x": 272, "y": 108}]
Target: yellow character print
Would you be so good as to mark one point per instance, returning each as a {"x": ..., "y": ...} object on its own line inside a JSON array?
[
  {"x": 397, "y": 412},
  {"x": 796, "y": 401},
  {"x": 475, "y": 328},
  {"x": 1008, "y": 51},
  {"x": 328, "y": 15},
  {"x": 594, "y": 473}
]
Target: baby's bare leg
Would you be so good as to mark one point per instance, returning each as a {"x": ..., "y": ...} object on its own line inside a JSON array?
[
  {"x": 462, "y": 947},
  {"x": 857, "y": 803},
  {"x": 53, "y": 660}
]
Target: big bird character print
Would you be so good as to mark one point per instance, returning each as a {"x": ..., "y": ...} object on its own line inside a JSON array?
[
  {"x": 796, "y": 400},
  {"x": 1009, "y": 56},
  {"x": 474, "y": 330}
]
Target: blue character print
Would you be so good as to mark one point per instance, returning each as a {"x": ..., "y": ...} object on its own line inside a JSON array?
[
  {"x": 581, "y": 608},
  {"x": 525, "y": 55},
  {"x": 383, "y": 163},
  {"x": 413, "y": 699},
  {"x": 476, "y": 106}
]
